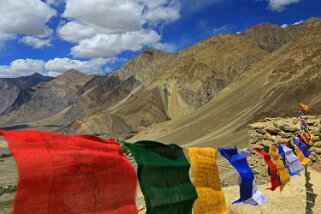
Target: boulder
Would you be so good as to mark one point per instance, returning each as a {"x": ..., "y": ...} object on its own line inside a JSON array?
[
  {"x": 285, "y": 135},
  {"x": 261, "y": 131},
  {"x": 273, "y": 130},
  {"x": 288, "y": 128}
]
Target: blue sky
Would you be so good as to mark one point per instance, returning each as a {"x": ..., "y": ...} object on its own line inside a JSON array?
[{"x": 97, "y": 36}]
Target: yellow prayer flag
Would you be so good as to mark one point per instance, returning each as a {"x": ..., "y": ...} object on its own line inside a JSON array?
[
  {"x": 304, "y": 161},
  {"x": 282, "y": 172},
  {"x": 205, "y": 178}
]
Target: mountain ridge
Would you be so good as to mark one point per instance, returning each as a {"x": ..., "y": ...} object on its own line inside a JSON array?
[{"x": 162, "y": 96}]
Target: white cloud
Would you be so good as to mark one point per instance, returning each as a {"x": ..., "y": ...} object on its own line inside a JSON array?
[
  {"x": 161, "y": 11},
  {"x": 54, "y": 2},
  {"x": 113, "y": 15},
  {"x": 279, "y": 5},
  {"x": 28, "y": 17},
  {"x": 109, "y": 45},
  {"x": 297, "y": 23},
  {"x": 53, "y": 67},
  {"x": 115, "y": 25},
  {"x": 165, "y": 47},
  {"x": 35, "y": 42},
  {"x": 58, "y": 66},
  {"x": 74, "y": 31},
  {"x": 22, "y": 67},
  {"x": 284, "y": 26}
]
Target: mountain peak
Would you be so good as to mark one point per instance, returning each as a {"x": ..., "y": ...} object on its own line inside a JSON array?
[{"x": 271, "y": 36}]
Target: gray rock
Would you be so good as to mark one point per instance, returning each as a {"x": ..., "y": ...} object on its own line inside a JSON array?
[
  {"x": 285, "y": 135},
  {"x": 253, "y": 140},
  {"x": 254, "y": 133},
  {"x": 261, "y": 131},
  {"x": 273, "y": 130},
  {"x": 287, "y": 128}
]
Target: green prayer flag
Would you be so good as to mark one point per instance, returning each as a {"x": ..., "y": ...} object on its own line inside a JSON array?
[{"x": 163, "y": 174}]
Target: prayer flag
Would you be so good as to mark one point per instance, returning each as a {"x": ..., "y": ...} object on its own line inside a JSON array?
[
  {"x": 71, "y": 174},
  {"x": 272, "y": 167},
  {"x": 205, "y": 177},
  {"x": 294, "y": 163},
  {"x": 258, "y": 197},
  {"x": 304, "y": 161},
  {"x": 163, "y": 174},
  {"x": 241, "y": 165},
  {"x": 283, "y": 174}
]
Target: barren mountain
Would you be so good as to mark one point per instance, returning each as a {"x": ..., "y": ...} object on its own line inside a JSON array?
[
  {"x": 164, "y": 86},
  {"x": 271, "y": 37},
  {"x": 13, "y": 89},
  {"x": 208, "y": 92},
  {"x": 46, "y": 99},
  {"x": 271, "y": 87}
]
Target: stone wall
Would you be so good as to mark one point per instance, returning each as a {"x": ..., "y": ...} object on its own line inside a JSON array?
[{"x": 275, "y": 131}]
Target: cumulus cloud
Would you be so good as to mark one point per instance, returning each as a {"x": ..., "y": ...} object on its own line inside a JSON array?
[
  {"x": 109, "y": 45},
  {"x": 35, "y": 42},
  {"x": 53, "y": 67},
  {"x": 74, "y": 31},
  {"x": 115, "y": 25},
  {"x": 58, "y": 66},
  {"x": 280, "y": 5},
  {"x": 22, "y": 67},
  {"x": 28, "y": 17}
]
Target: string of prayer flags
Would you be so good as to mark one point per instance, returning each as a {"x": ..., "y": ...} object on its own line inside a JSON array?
[
  {"x": 258, "y": 197},
  {"x": 163, "y": 174},
  {"x": 272, "y": 167},
  {"x": 205, "y": 178},
  {"x": 240, "y": 163},
  {"x": 306, "y": 135},
  {"x": 71, "y": 174},
  {"x": 282, "y": 173}
]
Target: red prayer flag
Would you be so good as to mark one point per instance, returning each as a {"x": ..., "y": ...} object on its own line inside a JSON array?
[
  {"x": 274, "y": 171},
  {"x": 71, "y": 174}
]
